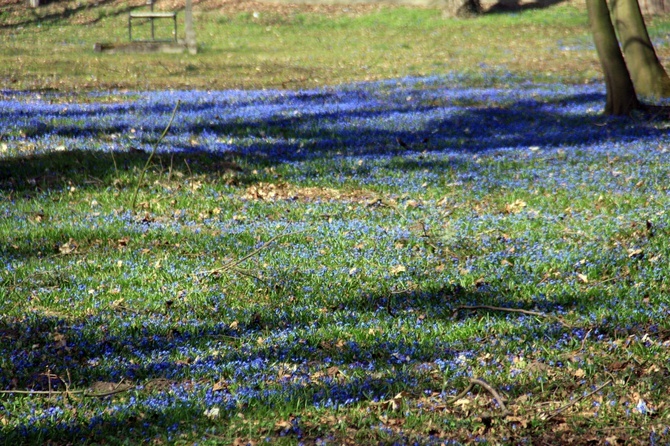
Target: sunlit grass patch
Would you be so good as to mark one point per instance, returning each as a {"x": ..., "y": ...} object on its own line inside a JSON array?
[{"x": 269, "y": 45}]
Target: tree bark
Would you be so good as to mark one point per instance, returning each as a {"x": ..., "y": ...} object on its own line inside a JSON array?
[
  {"x": 654, "y": 7},
  {"x": 648, "y": 75},
  {"x": 621, "y": 96}
]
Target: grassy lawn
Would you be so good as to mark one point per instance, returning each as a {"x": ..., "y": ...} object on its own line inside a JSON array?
[
  {"x": 255, "y": 45},
  {"x": 448, "y": 253}
]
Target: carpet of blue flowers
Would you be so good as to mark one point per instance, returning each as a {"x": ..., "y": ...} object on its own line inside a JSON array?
[{"x": 298, "y": 266}]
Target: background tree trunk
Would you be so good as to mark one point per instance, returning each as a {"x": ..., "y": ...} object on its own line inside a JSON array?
[
  {"x": 190, "y": 31},
  {"x": 654, "y": 7},
  {"x": 648, "y": 75},
  {"x": 621, "y": 97}
]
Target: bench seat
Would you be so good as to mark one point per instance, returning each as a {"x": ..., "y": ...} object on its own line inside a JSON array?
[{"x": 153, "y": 15}]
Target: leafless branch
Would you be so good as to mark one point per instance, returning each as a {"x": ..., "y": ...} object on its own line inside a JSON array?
[
  {"x": 233, "y": 263},
  {"x": 575, "y": 401},
  {"x": 85, "y": 393},
  {"x": 509, "y": 310},
  {"x": 462, "y": 394},
  {"x": 494, "y": 393}
]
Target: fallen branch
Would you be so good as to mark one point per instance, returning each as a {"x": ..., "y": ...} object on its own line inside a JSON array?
[
  {"x": 462, "y": 394},
  {"x": 104, "y": 394},
  {"x": 572, "y": 403},
  {"x": 41, "y": 392},
  {"x": 509, "y": 310},
  {"x": 488, "y": 388},
  {"x": 84, "y": 393},
  {"x": 67, "y": 392},
  {"x": 586, "y": 336},
  {"x": 233, "y": 263},
  {"x": 151, "y": 156}
]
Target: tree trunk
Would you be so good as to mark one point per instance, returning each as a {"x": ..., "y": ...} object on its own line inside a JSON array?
[
  {"x": 621, "y": 97},
  {"x": 190, "y": 31},
  {"x": 654, "y": 7},
  {"x": 649, "y": 77}
]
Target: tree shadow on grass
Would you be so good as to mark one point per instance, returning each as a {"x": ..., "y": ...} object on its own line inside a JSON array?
[
  {"x": 141, "y": 348},
  {"x": 41, "y": 340},
  {"x": 84, "y": 347},
  {"x": 35, "y": 174},
  {"x": 512, "y": 6},
  {"x": 56, "y": 11},
  {"x": 264, "y": 129},
  {"x": 62, "y": 14}
]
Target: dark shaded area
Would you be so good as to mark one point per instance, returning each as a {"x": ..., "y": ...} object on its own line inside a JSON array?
[
  {"x": 40, "y": 337},
  {"x": 38, "y": 341},
  {"x": 86, "y": 169},
  {"x": 473, "y": 128},
  {"x": 507, "y": 6},
  {"x": 53, "y": 15}
]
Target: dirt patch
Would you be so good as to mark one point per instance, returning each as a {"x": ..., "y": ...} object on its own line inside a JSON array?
[{"x": 284, "y": 191}]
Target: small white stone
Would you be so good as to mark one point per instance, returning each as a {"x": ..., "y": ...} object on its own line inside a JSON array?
[{"x": 212, "y": 413}]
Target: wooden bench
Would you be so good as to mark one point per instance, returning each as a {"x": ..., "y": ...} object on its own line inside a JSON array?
[{"x": 151, "y": 16}]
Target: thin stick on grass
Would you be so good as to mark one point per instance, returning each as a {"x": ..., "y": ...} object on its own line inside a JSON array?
[
  {"x": 170, "y": 169},
  {"x": 480, "y": 382},
  {"x": 105, "y": 394},
  {"x": 188, "y": 167},
  {"x": 49, "y": 379},
  {"x": 233, "y": 263},
  {"x": 462, "y": 394},
  {"x": 586, "y": 336},
  {"x": 84, "y": 393},
  {"x": 509, "y": 310},
  {"x": 575, "y": 401},
  {"x": 116, "y": 168},
  {"x": 151, "y": 156},
  {"x": 40, "y": 392}
]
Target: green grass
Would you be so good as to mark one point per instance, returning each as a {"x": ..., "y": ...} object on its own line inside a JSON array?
[
  {"x": 358, "y": 292},
  {"x": 265, "y": 284},
  {"x": 288, "y": 48}
]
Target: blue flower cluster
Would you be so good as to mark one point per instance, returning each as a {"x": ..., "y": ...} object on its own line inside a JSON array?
[
  {"x": 450, "y": 196},
  {"x": 378, "y": 118}
]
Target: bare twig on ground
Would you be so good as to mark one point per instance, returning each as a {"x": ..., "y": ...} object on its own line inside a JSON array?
[
  {"x": 494, "y": 393},
  {"x": 575, "y": 401},
  {"x": 509, "y": 310},
  {"x": 462, "y": 394},
  {"x": 111, "y": 392},
  {"x": 151, "y": 156},
  {"x": 586, "y": 336},
  {"x": 233, "y": 263},
  {"x": 85, "y": 393},
  {"x": 67, "y": 392},
  {"x": 40, "y": 392}
]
